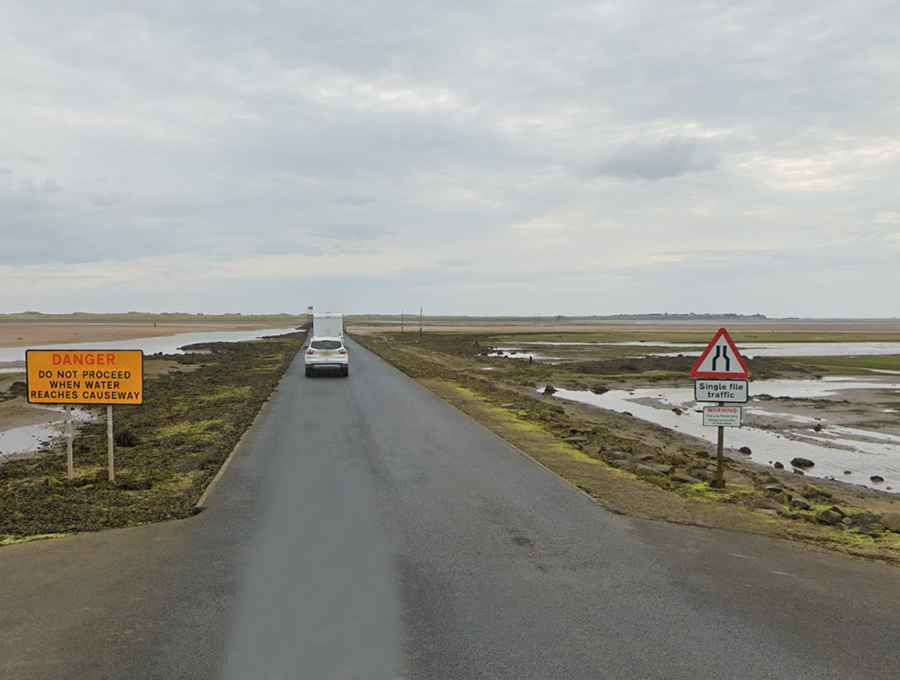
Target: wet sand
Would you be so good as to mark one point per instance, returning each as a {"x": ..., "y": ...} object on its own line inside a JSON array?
[
  {"x": 28, "y": 333},
  {"x": 19, "y": 413}
]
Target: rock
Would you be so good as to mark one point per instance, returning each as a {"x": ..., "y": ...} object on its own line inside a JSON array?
[
  {"x": 891, "y": 521},
  {"x": 817, "y": 427},
  {"x": 126, "y": 439},
  {"x": 763, "y": 504},
  {"x": 677, "y": 411},
  {"x": 800, "y": 504},
  {"x": 848, "y": 472},
  {"x": 829, "y": 517},
  {"x": 19, "y": 388},
  {"x": 877, "y": 479},
  {"x": 836, "y": 509},
  {"x": 549, "y": 389},
  {"x": 802, "y": 462},
  {"x": 653, "y": 469},
  {"x": 575, "y": 440},
  {"x": 746, "y": 450},
  {"x": 773, "y": 488},
  {"x": 627, "y": 413},
  {"x": 683, "y": 478},
  {"x": 599, "y": 389},
  {"x": 815, "y": 494},
  {"x": 799, "y": 472},
  {"x": 703, "y": 475},
  {"x": 865, "y": 522},
  {"x": 778, "y": 465}
]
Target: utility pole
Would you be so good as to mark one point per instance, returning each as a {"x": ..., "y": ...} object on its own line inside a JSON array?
[
  {"x": 420, "y": 321},
  {"x": 401, "y": 320}
]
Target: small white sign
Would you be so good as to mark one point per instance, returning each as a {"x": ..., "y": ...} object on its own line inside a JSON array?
[
  {"x": 722, "y": 416},
  {"x": 725, "y": 391}
]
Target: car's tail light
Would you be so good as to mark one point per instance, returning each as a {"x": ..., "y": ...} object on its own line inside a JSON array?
[
  {"x": 342, "y": 351},
  {"x": 310, "y": 351}
]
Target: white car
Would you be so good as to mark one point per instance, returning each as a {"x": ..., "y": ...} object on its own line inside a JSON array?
[{"x": 327, "y": 353}]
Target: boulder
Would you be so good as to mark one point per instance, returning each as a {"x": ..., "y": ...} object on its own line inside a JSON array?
[
  {"x": 746, "y": 450},
  {"x": 865, "y": 522},
  {"x": 877, "y": 479},
  {"x": 549, "y": 389},
  {"x": 802, "y": 462},
  {"x": 653, "y": 469},
  {"x": 891, "y": 521},
  {"x": 683, "y": 478},
  {"x": 126, "y": 439},
  {"x": 848, "y": 472},
  {"x": 817, "y": 427},
  {"x": 829, "y": 517},
  {"x": 599, "y": 389},
  {"x": 677, "y": 411},
  {"x": 627, "y": 413},
  {"x": 778, "y": 465},
  {"x": 800, "y": 504},
  {"x": 703, "y": 475},
  {"x": 815, "y": 494}
]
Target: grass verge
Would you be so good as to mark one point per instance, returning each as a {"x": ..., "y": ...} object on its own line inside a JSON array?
[{"x": 168, "y": 449}]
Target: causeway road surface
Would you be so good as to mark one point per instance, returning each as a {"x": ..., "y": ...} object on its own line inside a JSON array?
[{"x": 367, "y": 530}]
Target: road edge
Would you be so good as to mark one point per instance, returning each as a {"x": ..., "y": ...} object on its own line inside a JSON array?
[{"x": 214, "y": 482}]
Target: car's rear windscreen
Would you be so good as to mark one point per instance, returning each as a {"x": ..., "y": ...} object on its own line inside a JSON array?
[{"x": 326, "y": 344}]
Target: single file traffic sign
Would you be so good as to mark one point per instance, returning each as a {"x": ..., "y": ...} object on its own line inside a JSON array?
[{"x": 721, "y": 360}]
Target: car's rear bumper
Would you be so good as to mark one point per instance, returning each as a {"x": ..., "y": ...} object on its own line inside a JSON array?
[{"x": 327, "y": 363}]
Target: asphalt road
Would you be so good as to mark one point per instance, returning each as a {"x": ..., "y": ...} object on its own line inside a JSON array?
[{"x": 368, "y": 530}]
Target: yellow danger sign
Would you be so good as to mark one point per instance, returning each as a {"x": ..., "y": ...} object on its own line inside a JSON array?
[{"x": 85, "y": 376}]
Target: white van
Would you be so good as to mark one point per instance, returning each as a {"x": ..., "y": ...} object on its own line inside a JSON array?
[
  {"x": 328, "y": 325},
  {"x": 326, "y": 347}
]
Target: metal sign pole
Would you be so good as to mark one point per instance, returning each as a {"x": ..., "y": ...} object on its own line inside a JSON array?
[
  {"x": 70, "y": 462},
  {"x": 109, "y": 444},
  {"x": 720, "y": 458}
]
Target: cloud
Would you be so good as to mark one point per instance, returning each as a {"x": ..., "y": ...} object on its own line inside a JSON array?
[
  {"x": 533, "y": 157},
  {"x": 656, "y": 160}
]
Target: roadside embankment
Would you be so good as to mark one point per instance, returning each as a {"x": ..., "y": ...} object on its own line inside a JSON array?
[
  {"x": 636, "y": 468},
  {"x": 196, "y": 407}
]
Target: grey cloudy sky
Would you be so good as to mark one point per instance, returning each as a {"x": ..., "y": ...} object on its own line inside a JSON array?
[{"x": 472, "y": 157}]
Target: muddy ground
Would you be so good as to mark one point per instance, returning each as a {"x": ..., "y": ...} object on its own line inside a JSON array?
[{"x": 635, "y": 467}]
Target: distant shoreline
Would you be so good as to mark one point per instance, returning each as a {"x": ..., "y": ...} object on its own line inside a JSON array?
[{"x": 26, "y": 333}]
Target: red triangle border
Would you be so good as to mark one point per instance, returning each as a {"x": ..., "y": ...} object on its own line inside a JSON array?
[{"x": 733, "y": 375}]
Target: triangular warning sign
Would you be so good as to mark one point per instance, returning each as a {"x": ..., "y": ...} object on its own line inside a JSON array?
[{"x": 721, "y": 360}]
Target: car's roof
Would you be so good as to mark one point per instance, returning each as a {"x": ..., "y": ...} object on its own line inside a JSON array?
[{"x": 327, "y": 337}]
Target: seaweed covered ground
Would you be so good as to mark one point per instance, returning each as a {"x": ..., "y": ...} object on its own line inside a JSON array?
[
  {"x": 168, "y": 449},
  {"x": 633, "y": 467}
]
